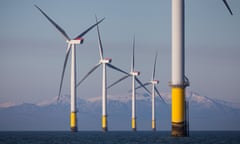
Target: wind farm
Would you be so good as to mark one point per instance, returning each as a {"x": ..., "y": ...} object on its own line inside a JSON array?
[
  {"x": 104, "y": 62},
  {"x": 178, "y": 83},
  {"x": 124, "y": 74}
]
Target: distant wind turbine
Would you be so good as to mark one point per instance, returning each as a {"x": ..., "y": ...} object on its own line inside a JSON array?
[
  {"x": 71, "y": 46},
  {"x": 153, "y": 82},
  {"x": 134, "y": 75},
  {"x": 178, "y": 82},
  {"x": 104, "y": 62}
]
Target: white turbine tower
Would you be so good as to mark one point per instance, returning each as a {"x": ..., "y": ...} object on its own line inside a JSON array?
[
  {"x": 153, "y": 82},
  {"x": 134, "y": 75},
  {"x": 179, "y": 81},
  {"x": 104, "y": 62},
  {"x": 71, "y": 47}
]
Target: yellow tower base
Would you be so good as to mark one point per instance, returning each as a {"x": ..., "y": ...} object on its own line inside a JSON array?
[
  {"x": 73, "y": 122},
  {"x": 178, "y": 111},
  {"x": 104, "y": 123},
  {"x": 153, "y": 125},
  {"x": 134, "y": 124}
]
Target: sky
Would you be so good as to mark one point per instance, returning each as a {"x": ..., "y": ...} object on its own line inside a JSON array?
[{"x": 32, "y": 51}]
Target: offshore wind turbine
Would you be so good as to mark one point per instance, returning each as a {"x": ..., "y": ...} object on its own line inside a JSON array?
[
  {"x": 179, "y": 82},
  {"x": 134, "y": 75},
  {"x": 153, "y": 82},
  {"x": 71, "y": 47},
  {"x": 104, "y": 62}
]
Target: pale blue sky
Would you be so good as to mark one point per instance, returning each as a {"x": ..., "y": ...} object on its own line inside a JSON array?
[{"x": 32, "y": 51}]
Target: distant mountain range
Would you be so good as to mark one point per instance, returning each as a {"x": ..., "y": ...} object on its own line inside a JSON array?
[{"x": 204, "y": 113}]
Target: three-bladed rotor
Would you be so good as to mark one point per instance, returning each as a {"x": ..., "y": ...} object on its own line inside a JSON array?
[
  {"x": 77, "y": 40},
  {"x": 153, "y": 82},
  {"x": 132, "y": 72},
  {"x": 102, "y": 60}
]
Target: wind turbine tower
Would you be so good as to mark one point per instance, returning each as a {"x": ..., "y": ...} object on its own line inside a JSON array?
[
  {"x": 179, "y": 81},
  {"x": 153, "y": 82},
  {"x": 105, "y": 62},
  {"x": 71, "y": 47},
  {"x": 134, "y": 75}
]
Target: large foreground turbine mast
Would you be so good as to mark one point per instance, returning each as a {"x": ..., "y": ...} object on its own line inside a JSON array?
[
  {"x": 71, "y": 47},
  {"x": 179, "y": 82}
]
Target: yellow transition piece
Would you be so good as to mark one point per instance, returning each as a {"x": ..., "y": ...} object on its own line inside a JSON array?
[
  {"x": 133, "y": 123},
  {"x": 178, "y": 104},
  {"x": 104, "y": 122},
  {"x": 73, "y": 120},
  {"x": 153, "y": 124}
]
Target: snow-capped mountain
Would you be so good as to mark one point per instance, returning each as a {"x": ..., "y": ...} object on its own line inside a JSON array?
[{"x": 204, "y": 113}]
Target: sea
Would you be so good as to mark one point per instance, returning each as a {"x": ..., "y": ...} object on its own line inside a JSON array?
[{"x": 118, "y": 137}]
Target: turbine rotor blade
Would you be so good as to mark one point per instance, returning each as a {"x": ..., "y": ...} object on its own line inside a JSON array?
[
  {"x": 92, "y": 70},
  {"x": 146, "y": 84},
  {"x": 99, "y": 41},
  {"x": 63, "y": 71},
  {"x": 132, "y": 67},
  {"x": 141, "y": 84},
  {"x": 55, "y": 24},
  {"x": 117, "y": 69},
  {"x": 154, "y": 67},
  {"x": 156, "y": 90},
  {"x": 121, "y": 79},
  {"x": 87, "y": 30},
  {"x": 228, "y": 7}
]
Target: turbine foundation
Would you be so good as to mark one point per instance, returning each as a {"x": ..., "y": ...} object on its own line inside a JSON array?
[{"x": 179, "y": 130}]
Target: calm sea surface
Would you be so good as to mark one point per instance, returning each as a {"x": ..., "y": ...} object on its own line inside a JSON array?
[{"x": 119, "y": 137}]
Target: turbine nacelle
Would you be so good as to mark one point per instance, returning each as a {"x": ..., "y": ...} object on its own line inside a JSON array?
[
  {"x": 155, "y": 81},
  {"x": 135, "y": 73},
  {"x": 106, "y": 60},
  {"x": 76, "y": 41}
]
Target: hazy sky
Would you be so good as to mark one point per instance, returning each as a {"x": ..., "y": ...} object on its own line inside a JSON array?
[{"x": 32, "y": 51}]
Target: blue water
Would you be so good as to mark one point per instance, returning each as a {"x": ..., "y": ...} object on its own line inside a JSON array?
[{"x": 119, "y": 137}]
